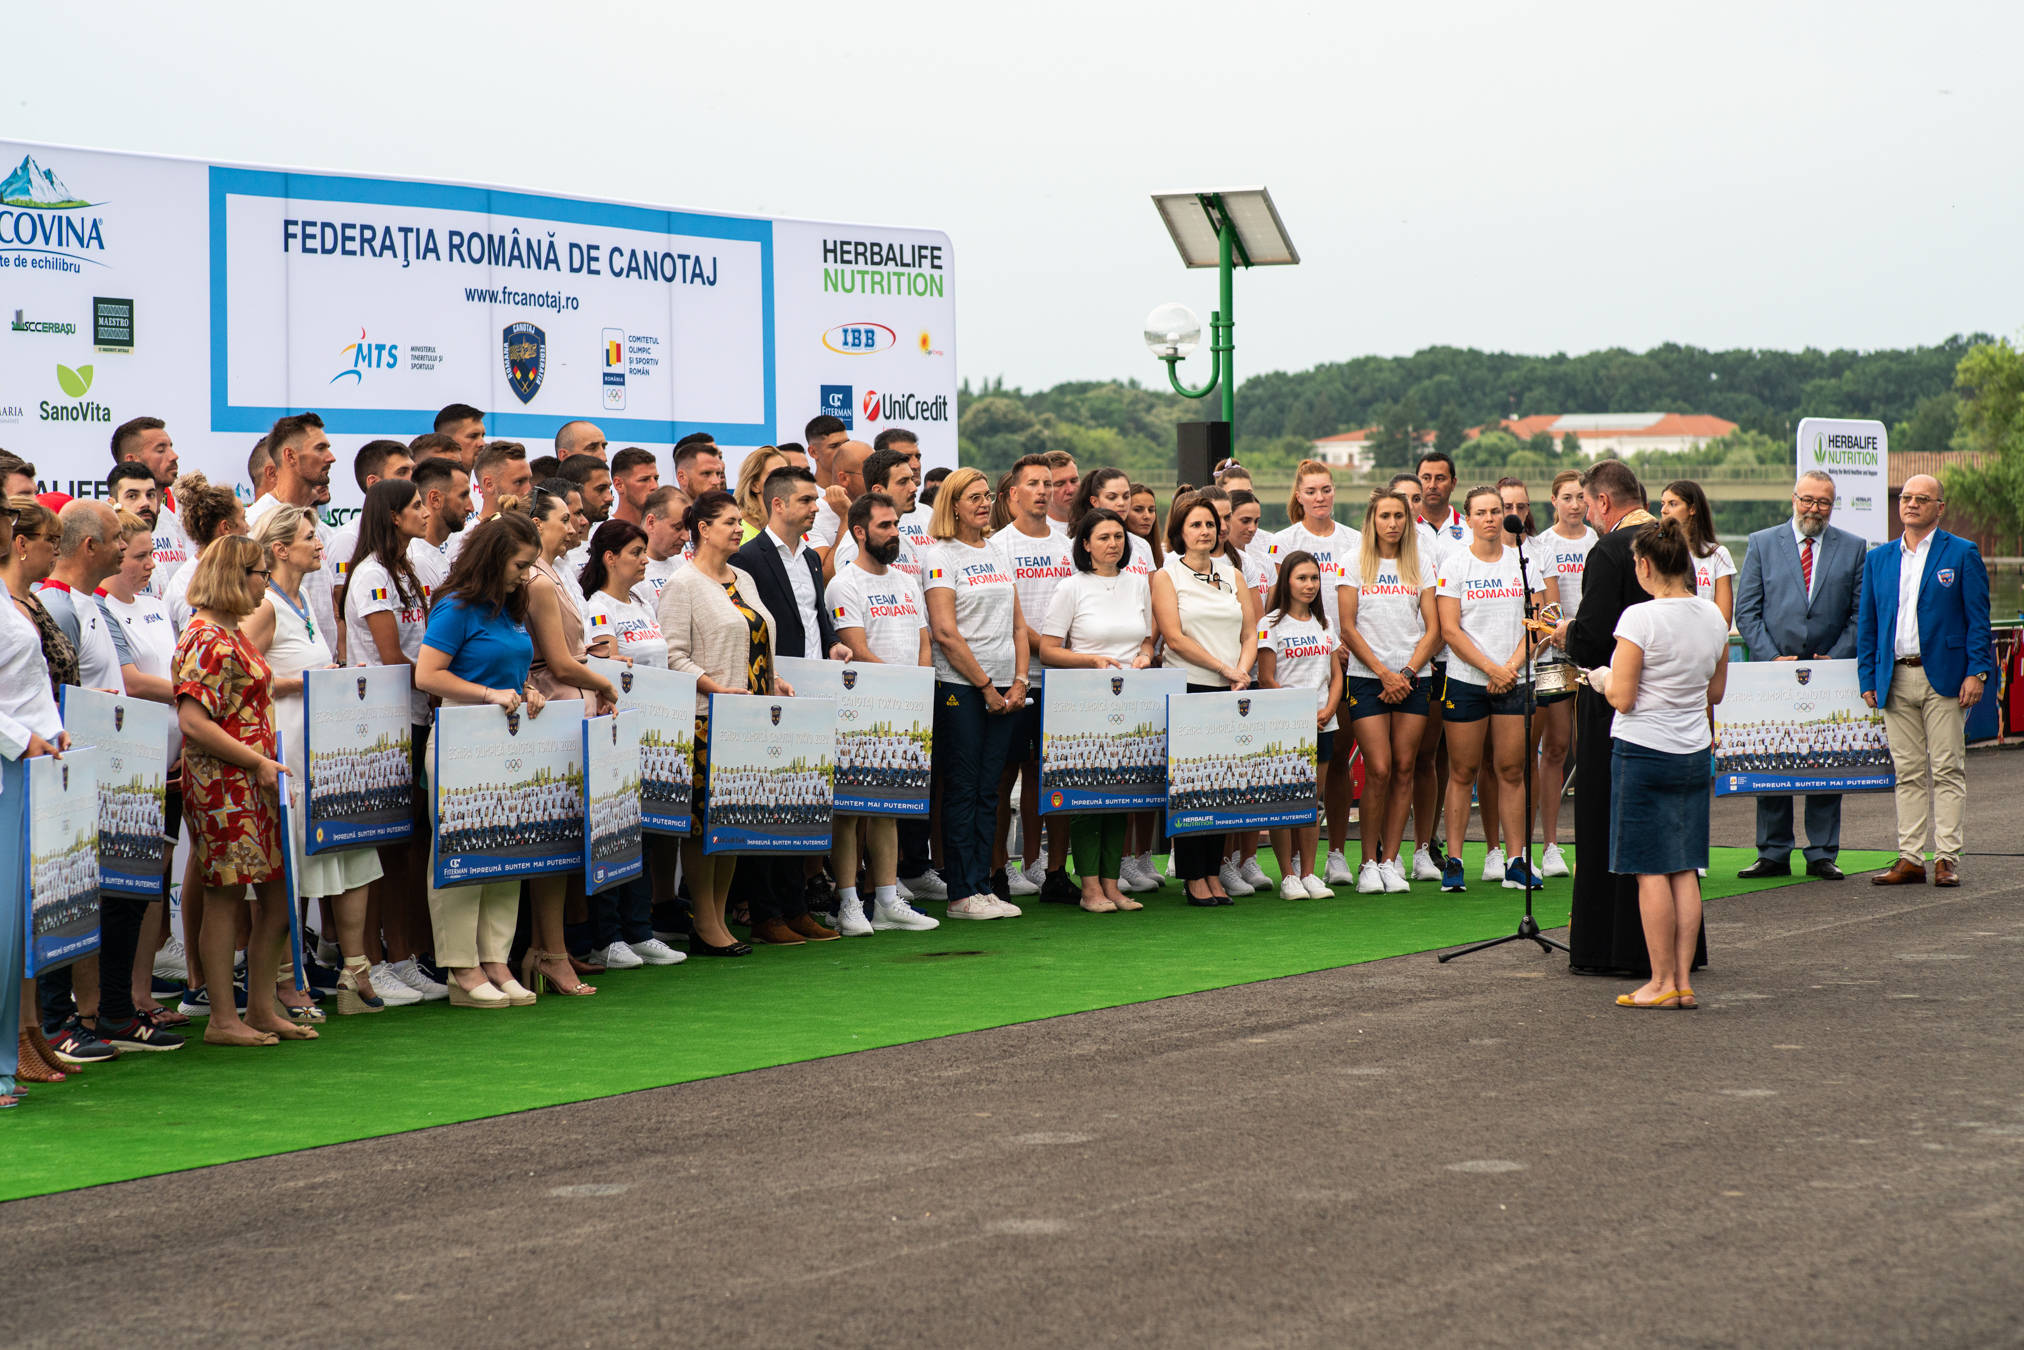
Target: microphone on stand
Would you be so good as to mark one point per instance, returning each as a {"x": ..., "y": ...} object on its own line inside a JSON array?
[{"x": 1515, "y": 524}]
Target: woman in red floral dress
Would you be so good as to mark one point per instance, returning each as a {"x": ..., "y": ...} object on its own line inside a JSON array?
[{"x": 225, "y": 706}]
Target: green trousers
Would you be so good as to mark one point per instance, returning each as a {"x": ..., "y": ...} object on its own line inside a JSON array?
[{"x": 1098, "y": 841}]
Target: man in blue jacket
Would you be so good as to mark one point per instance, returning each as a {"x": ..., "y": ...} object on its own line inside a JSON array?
[
  {"x": 1797, "y": 600},
  {"x": 1925, "y": 657}
]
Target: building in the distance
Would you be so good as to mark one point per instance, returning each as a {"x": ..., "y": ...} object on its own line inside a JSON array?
[{"x": 1601, "y": 435}]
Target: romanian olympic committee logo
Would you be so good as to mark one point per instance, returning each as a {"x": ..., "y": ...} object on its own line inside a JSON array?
[
  {"x": 1803, "y": 675},
  {"x": 526, "y": 351},
  {"x": 846, "y": 714},
  {"x": 1242, "y": 738},
  {"x": 1802, "y": 708},
  {"x": 511, "y": 766},
  {"x": 1116, "y": 685},
  {"x": 118, "y": 716},
  {"x": 361, "y": 689},
  {"x": 849, "y": 679},
  {"x": 1243, "y": 707},
  {"x": 625, "y": 680},
  {"x": 772, "y": 752},
  {"x": 1117, "y": 719}
]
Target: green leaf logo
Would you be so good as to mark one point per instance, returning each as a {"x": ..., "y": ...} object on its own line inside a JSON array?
[{"x": 76, "y": 383}]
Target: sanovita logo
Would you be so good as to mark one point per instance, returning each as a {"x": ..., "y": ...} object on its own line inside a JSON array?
[{"x": 860, "y": 339}]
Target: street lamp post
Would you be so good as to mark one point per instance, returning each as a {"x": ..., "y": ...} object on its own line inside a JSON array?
[{"x": 1215, "y": 229}]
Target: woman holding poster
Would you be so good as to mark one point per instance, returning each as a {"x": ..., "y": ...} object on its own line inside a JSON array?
[
  {"x": 980, "y": 681},
  {"x": 1482, "y": 603},
  {"x": 476, "y": 650},
  {"x": 1296, "y": 651},
  {"x": 286, "y": 634},
  {"x": 1208, "y": 618},
  {"x": 1393, "y": 631},
  {"x": 717, "y": 629},
  {"x": 1100, "y": 618},
  {"x": 225, "y": 704}
]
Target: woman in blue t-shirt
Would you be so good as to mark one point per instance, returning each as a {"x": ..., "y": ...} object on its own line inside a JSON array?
[{"x": 477, "y": 650}]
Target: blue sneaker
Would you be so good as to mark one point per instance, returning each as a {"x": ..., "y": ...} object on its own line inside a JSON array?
[
  {"x": 1453, "y": 877},
  {"x": 1514, "y": 877}
]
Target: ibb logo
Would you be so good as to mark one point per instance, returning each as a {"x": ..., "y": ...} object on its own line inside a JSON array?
[{"x": 859, "y": 339}]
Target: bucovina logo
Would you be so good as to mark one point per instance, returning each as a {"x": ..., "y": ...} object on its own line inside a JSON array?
[
  {"x": 44, "y": 226},
  {"x": 76, "y": 384},
  {"x": 360, "y": 356},
  {"x": 526, "y": 351},
  {"x": 860, "y": 339}
]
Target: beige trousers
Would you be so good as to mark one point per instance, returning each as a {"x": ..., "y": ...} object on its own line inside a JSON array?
[
  {"x": 474, "y": 923},
  {"x": 1928, "y": 751}
]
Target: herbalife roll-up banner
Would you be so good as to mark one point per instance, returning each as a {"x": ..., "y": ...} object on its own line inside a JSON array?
[
  {"x": 885, "y": 719},
  {"x": 611, "y": 799},
  {"x": 1798, "y": 726},
  {"x": 772, "y": 774},
  {"x": 1856, "y": 455},
  {"x": 1240, "y": 761},
  {"x": 219, "y": 296},
  {"x": 360, "y": 734},
  {"x": 132, "y": 737},
  {"x": 59, "y": 855},
  {"x": 1103, "y": 739},
  {"x": 666, "y": 702},
  {"x": 508, "y": 792}
]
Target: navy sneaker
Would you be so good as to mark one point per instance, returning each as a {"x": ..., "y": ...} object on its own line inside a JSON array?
[
  {"x": 197, "y": 1002},
  {"x": 1514, "y": 877},
  {"x": 74, "y": 1045},
  {"x": 1453, "y": 876},
  {"x": 140, "y": 1034},
  {"x": 162, "y": 988}
]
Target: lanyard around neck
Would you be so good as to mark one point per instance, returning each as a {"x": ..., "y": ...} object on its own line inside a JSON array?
[{"x": 300, "y": 611}]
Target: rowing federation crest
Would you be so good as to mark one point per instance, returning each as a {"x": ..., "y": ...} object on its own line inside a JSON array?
[
  {"x": 526, "y": 351},
  {"x": 776, "y": 714},
  {"x": 118, "y": 716},
  {"x": 1243, "y": 707},
  {"x": 849, "y": 678},
  {"x": 1116, "y": 685},
  {"x": 1803, "y": 675},
  {"x": 361, "y": 689},
  {"x": 513, "y": 723},
  {"x": 625, "y": 680}
]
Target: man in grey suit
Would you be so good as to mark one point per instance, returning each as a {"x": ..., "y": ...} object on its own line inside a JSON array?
[{"x": 1797, "y": 600}]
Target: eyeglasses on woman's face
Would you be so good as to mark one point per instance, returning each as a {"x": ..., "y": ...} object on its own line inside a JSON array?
[{"x": 264, "y": 573}]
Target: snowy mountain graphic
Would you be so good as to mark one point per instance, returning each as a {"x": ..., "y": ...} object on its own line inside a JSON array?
[{"x": 32, "y": 185}]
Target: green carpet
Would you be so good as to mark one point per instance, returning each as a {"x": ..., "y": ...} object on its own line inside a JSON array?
[{"x": 410, "y": 1068}]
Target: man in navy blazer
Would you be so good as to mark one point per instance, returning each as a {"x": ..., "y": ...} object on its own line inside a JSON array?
[
  {"x": 1797, "y": 601},
  {"x": 1925, "y": 656},
  {"x": 802, "y": 626}
]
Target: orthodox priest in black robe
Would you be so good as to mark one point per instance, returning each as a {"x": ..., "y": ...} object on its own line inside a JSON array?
[{"x": 1606, "y": 931}]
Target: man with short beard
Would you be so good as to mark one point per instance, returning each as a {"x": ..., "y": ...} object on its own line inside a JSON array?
[
  {"x": 146, "y": 441},
  {"x": 446, "y": 491},
  {"x": 302, "y": 460},
  {"x": 635, "y": 476}
]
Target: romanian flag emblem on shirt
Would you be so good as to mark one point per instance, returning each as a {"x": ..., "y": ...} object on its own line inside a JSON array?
[
  {"x": 600, "y": 621},
  {"x": 836, "y": 613},
  {"x": 342, "y": 568},
  {"x": 934, "y": 574},
  {"x": 379, "y": 592}
]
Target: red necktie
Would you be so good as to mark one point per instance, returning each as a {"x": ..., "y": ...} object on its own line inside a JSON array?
[{"x": 1806, "y": 565}]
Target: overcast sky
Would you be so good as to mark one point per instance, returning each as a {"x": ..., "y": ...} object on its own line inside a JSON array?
[{"x": 1488, "y": 173}]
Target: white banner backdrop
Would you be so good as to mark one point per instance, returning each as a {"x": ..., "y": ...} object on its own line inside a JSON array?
[
  {"x": 1856, "y": 455},
  {"x": 219, "y": 297}
]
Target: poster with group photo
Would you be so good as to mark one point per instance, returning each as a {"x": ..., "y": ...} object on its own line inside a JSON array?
[
  {"x": 1785, "y": 727},
  {"x": 884, "y": 731},
  {"x": 1240, "y": 761},
  {"x": 611, "y": 799},
  {"x": 60, "y": 857},
  {"x": 1103, "y": 739},
  {"x": 508, "y": 792},
  {"x": 666, "y": 702},
  {"x": 132, "y": 738},
  {"x": 772, "y": 778},
  {"x": 360, "y": 731}
]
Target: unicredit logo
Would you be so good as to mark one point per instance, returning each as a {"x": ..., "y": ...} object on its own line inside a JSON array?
[{"x": 904, "y": 407}]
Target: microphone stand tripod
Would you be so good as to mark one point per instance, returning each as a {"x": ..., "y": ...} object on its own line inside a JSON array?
[{"x": 1528, "y": 927}]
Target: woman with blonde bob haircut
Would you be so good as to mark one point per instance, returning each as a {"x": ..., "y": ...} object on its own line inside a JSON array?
[
  {"x": 225, "y": 706},
  {"x": 751, "y": 482}
]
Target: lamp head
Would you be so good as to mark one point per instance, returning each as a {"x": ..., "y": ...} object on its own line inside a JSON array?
[{"x": 1172, "y": 332}]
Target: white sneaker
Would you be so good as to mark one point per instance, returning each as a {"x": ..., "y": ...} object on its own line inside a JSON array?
[
  {"x": 901, "y": 915},
  {"x": 617, "y": 956},
  {"x": 170, "y": 963},
  {"x": 1003, "y": 909},
  {"x": 1254, "y": 874},
  {"x": 657, "y": 953},
  {"x": 1233, "y": 879},
  {"x": 1337, "y": 872},
  {"x": 1291, "y": 889},
  {"x": 1551, "y": 863},
  {"x": 397, "y": 993},
  {"x": 1369, "y": 880},
  {"x": 974, "y": 907},
  {"x": 1424, "y": 867},
  {"x": 850, "y": 920},
  {"x": 1494, "y": 865},
  {"x": 1152, "y": 873},
  {"x": 327, "y": 954},
  {"x": 926, "y": 886},
  {"x": 409, "y": 973},
  {"x": 1025, "y": 880},
  {"x": 1316, "y": 888},
  {"x": 1172, "y": 875},
  {"x": 1394, "y": 879},
  {"x": 1132, "y": 879}
]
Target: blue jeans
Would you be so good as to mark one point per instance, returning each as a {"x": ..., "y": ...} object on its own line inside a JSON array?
[
  {"x": 13, "y": 788},
  {"x": 972, "y": 744}
]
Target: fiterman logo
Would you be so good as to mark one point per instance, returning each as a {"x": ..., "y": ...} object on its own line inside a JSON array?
[
  {"x": 45, "y": 223},
  {"x": 525, "y": 348},
  {"x": 359, "y": 356},
  {"x": 860, "y": 339},
  {"x": 836, "y": 402}
]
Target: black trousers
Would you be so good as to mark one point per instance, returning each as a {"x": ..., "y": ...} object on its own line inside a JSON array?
[
  {"x": 771, "y": 886},
  {"x": 119, "y": 937}
]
